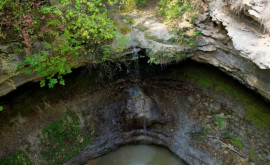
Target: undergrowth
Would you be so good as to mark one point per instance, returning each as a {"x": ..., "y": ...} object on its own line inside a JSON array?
[
  {"x": 163, "y": 57},
  {"x": 184, "y": 37},
  {"x": 173, "y": 9},
  {"x": 63, "y": 139},
  {"x": 66, "y": 30},
  {"x": 19, "y": 158}
]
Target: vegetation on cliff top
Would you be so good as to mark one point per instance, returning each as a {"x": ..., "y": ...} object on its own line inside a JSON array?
[
  {"x": 67, "y": 29},
  {"x": 51, "y": 33}
]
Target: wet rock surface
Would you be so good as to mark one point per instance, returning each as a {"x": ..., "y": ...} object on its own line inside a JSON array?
[
  {"x": 141, "y": 111},
  {"x": 199, "y": 125},
  {"x": 194, "y": 131}
]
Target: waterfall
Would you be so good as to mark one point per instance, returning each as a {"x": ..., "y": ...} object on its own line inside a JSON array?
[
  {"x": 135, "y": 57},
  {"x": 136, "y": 74}
]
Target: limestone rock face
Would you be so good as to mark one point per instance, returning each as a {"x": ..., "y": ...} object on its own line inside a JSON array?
[
  {"x": 247, "y": 38},
  {"x": 230, "y": 41},
  {"x": 150, "y": 34},
  {"x": 12, "y": 77},
  {"x": 242, "y": 49},
  {"x": 141, "y": 111},
  {"x": 155, "y": 36}
]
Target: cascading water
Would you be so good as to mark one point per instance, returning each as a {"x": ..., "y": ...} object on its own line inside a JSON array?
[
  {"x": 135, "y": 57},
  {"x": 136, "y": 91},
  {"x": 137, "y": 76}
]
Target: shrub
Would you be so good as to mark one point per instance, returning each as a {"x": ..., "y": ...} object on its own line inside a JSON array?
[
  {"x": 172, "y": 9},
  {"x": 77, "y": 27},
  {"x": 141, "y": 3}
]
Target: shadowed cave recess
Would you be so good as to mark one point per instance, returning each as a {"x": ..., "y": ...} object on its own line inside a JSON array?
[{"x": 198, "y": 113}]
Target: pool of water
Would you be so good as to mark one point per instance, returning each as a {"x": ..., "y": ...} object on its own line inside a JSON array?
[{"x": 138, "y": 155}]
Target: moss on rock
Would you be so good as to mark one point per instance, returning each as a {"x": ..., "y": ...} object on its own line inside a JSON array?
[{"x": 257, "y": 110}]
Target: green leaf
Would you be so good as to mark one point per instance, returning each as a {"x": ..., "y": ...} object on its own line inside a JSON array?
[
  {"x": 42, "y": 83},
  {"x": 1, "y": 108},
  {"x": 53, "y": 22},
  {"x": 62, "y": 82},
  {"x": 45, "y": 10},
  {"x": 28, "y": 71}
]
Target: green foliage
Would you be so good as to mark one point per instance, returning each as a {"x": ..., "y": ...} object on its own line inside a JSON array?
[
  {"x": 141, "y": 3},
  {"x": 126, "y": 5},
  {"x": 184, "y": 37},
  {"x": 234, "y": 140},
  {"x": 172, "y": 9},
  {"x": 7, "y": 64},
  {"x": 77, "y": 27},
  {"x": 1, "y": 108},
  {"x": 19, "y": 158},
  {"x": 48, "y": 66},
  {"x": 17, "y": 20},
  {"x": 254, "y": 156},
  {"x": 163, "y": 57},
  {"x": 63, "y": 139},
  {"x": 123, "y": 28},
  {"x": 181, "y": 56},
  {"x": 2, "y": 4},
  {"x": 219, "y": 120},
  {"x": 130, "y": 20},
  {"x": 155, "y": 57},
  {"x": 121, "y": 41},
  {"x": 106, "y": 51},
  {"x": 206, "y": 130},
  {"x": 129, "y": 5}
]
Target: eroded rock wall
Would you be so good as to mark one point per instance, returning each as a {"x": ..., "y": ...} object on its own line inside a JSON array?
[{"x": 242, "y": 49}]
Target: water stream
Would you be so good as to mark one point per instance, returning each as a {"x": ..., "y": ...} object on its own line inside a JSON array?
[
  {"x": 136, "y": 60},
  {"x": 136, "y": 57}
]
